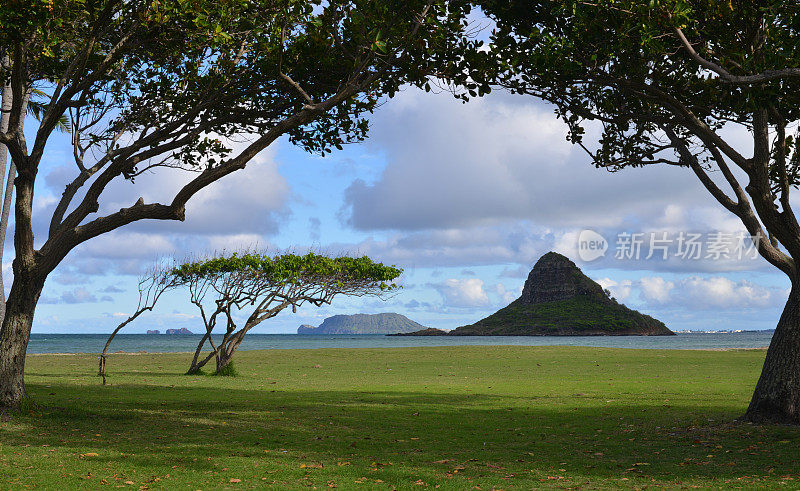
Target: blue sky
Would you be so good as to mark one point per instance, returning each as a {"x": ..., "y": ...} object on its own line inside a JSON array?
[{"x": 465, "y": 198}]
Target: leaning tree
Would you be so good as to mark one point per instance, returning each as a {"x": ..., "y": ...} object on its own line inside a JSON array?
[
  {"x": 667, "y": 82},
  {"x": 154, "y": 283},
  {"x": 255, "y": 287},
  {"x": 158, "y": 86},
  {"x": 260, "y": 287}
]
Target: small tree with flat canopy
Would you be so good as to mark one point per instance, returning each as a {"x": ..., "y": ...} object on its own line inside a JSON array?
[
  {"x": 664, "y": 80},
  {"x": 265, "y": 286}
]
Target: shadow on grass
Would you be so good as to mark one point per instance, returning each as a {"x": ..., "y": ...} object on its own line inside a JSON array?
[{"x": 477, "y": 435}]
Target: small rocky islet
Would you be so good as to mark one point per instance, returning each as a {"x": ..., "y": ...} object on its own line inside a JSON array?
[{"x": 559, "y": 300}]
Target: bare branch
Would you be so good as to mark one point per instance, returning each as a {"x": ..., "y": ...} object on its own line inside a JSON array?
[
  {"x": 152, "y": 285},
  {"x": 726, "y": 76}
]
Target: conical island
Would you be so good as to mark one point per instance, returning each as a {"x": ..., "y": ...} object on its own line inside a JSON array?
[{"x": 559, "y": 300}]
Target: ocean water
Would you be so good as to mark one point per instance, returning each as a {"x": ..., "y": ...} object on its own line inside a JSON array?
[{"x": 162, "y": 343}]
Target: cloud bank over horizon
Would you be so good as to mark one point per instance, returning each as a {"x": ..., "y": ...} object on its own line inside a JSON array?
[{"x": 464, "y": 197}]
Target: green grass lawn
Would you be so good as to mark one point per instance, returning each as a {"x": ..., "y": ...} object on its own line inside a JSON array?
[{"x": 454, "y": 418}]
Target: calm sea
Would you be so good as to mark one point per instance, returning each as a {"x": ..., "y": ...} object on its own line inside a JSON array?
[{"x": 162, "y": 343}]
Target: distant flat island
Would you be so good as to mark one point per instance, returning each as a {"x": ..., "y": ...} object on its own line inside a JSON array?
[
  {"x": 559, "y": 300},
  {"x": 385, "y": 323}
]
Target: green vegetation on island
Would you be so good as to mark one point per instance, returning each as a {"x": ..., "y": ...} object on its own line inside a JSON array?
[
  {"x": 509, "y": 417},
  {"x": 385, "y": 323},
  {"x": 575, "y": 316},
  {"x": 559, "y": 300}
]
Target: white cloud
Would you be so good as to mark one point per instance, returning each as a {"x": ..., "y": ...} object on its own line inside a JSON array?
[
  {"x": 656, "y": 289},
  {"x": 248, "y": 201},
  {"x": 494, "y": 181},
  {"x": 463, "y": 292},
  {"x": 723, "y": 293},
  {"x": 709, "y": 293},
  {"x": 239, "y": 211},
  {"x": 77, "y": 295},
  {"x": 122, "y": 244},
  {"x": 519, "y": 243},
  {"x": 453, "y": 165},
  {"x": 620, "y": 290},
  {"x": 507, "y": 296},
  {"x": 236, "y": 242}
]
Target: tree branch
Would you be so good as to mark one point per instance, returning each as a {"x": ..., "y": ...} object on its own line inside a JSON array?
[{"x": 726, "y": 76}]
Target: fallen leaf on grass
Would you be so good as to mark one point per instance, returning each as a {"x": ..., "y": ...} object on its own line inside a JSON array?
[
  {"x": 311, "y": 466},
  {"x": 235, "y": 480},
  {"x": 89, "y": 454}
]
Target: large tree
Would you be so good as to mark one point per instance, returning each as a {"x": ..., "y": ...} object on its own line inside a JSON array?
[
  {"x": 158, "y": 85},
  {"x": 668, "y": 82}
]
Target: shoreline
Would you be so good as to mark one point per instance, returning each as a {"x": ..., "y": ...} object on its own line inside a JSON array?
[{"x": 138, "y": 353}]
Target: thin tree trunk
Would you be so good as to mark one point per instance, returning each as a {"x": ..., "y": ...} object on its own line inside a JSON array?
[
  {"x": 777, "y": 395},
  {"x": 6, "y": 211},
  {"x": 102, "y": 369},
  {"x": 5, "y": 115},
  {"x": 8, "y": 191},
  {"x": 14, "y": 339},
  {"x": 196, "y": 365}
]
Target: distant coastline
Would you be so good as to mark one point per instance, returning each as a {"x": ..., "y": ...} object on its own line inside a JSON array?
[{"x": 134, "y": 343}]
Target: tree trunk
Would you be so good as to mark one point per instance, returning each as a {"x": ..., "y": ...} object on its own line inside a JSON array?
[
  {"x": 14, "y": 337},
  {"x": 777, "y": 395},
  {"x": 223, "y": 361},
  {"x": 225, "y": 356},
  {"x": 4, "y": 214},
  {"x": 5, "y": 115},
  {"x": 198, "y": 364}
]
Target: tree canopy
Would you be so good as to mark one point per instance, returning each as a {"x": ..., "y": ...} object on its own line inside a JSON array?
[
  {"x": 269, "y": 285},
  {"x": 195, "y": 85},
  {"x": 289, "y": 268},
  {"x": 667, "y": 82}
]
